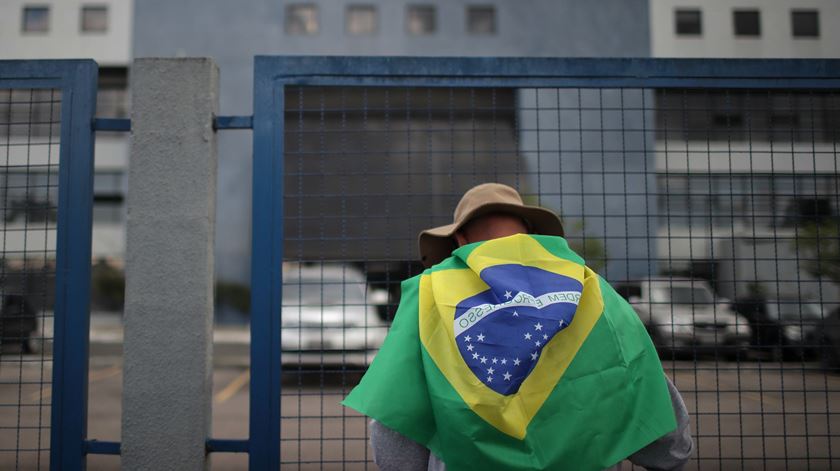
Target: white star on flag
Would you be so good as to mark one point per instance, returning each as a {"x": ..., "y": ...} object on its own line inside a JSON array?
[
  {"x": 495, "y": 360},
  {"x": 538, "y": 326},
  {"x": 516, "y": 362},
  {"x": 527, "y": 336},
  {"x": 470, "y": 347},
  {"x": 467, "y": 338},
  {"x": 515, "y": 314},
  {"x": 490, "y": 370},
  {"x": 508, "y": 295},
  {"x": 475, "y": 356},
  {"x": 480, "y": 337},
  {"x": 545, "y": 336},
  {"x": 484, "y": 359},
  {"x": 537, "y": 343},
  {"x": 534, "y": 356},
  {"x": 489, "y": 379},
  {"x": 507, "y": 376},
  {"x": 561, "y": 322},
  {"x": 504, "y": 361}
]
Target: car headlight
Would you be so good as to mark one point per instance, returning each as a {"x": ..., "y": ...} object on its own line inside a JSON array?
[
  {"x": 793, "y": 332},
  {"x": 677, "y": 327}
]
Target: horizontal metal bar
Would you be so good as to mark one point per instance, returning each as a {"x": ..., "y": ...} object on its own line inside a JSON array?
[
  {"x": 95, "y": 447},
  {"x": 50, "y": 73},
  {"x": 112, "y": 124},
  {"x": 215, "y": 445},
  {"x": 233, "y": 122},
  {"x": 552, "y": 72}
]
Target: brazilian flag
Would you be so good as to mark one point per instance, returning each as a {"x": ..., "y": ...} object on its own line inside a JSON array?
[{"x": 512, "y": 354}]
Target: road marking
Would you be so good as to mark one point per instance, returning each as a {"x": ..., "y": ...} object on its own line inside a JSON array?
[
  {"x": 98, "y": 375},
  {"x": 761, "y": 398},
  {"x": 233, "y": 387}
]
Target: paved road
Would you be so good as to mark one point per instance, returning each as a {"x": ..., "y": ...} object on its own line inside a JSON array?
[{"x": 772, "y": 417}]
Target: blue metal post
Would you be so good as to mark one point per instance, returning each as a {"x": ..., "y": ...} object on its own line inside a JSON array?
[
  {"x": 73, "y": 260},
  {"x": 266, "y": 270}
]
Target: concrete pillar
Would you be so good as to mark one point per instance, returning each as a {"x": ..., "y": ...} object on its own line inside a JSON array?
[{"x": 167, "y": 386}]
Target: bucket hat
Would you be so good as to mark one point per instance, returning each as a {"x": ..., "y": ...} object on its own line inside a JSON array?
[{"x": 437, "y": 243}]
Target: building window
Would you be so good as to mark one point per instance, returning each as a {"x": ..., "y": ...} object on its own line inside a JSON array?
[
  {"x": 112, "y": 97},
  {"x": 747, "y": 22},
  {"x": 422, "y": 19},
  {"x": 302, "y": 19},
  {"x": 806, "y": 23},
  {"x": 36, "y": 19},
  {"x": 361, "y": 19},
  {"x": 481, "y": 19},
  {"x": 94, "y": 19},
  {"x": 688, "y": 22}
]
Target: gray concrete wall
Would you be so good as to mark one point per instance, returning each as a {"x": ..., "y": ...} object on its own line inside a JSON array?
[
  {"x": 233, "y": 32},
  {"x": 169, "y": 265}
]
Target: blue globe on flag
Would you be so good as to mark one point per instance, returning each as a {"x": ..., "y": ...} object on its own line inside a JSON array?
[{"x": 502, "y": 331}]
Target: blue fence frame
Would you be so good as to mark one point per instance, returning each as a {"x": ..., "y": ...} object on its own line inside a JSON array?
[
  {"x": 77, "y": 81},
  {"x": 273, "y": 74}
]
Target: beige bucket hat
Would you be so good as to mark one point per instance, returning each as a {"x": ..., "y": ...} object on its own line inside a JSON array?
[{"x": 437, "y": 243}]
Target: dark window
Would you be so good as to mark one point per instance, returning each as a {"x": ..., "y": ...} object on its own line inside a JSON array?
[
  {"x": 112, "y": 97},
  {"x": 302, "y": 19},
  {"x": 481, "y": 19},
  {"x": 95, "y": 19},
  {"x": 806, "y": 23},
  {"x": 36, "y": 19},
  {"x": 361, "y": 19},
  {"x": 727, "y": 120},
  {"x": 422, "y": 19},
  {"x": 747, "y": 22},
  {"x": 688, "y": 22}
]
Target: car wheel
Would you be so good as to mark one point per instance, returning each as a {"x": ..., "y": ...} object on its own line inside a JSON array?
[
  {"x": 738, "y": 352},
  {"x": 829, "y": 356},
  {"x": 658, "y": 339},
  {"x": 777, "y": 353}
]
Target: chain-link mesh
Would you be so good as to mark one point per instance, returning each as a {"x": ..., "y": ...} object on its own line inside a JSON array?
[
  {"x": 714, "y": 212},
  {"x": 29, "y": 156}
]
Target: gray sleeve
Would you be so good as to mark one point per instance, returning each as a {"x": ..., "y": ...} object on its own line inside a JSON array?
[
  {"x": 394, "y": 451},
  {"x": 672, "y": 451}
]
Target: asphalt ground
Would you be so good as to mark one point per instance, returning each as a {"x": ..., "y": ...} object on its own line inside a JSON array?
[{"x": 748, "y": 415}]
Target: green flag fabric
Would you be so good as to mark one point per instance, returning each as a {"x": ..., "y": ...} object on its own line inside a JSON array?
[{"x": 512, "y": 354}]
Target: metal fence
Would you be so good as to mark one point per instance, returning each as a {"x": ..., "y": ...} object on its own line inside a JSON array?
[
  {"x": 705, "y": 191},
  {"x": 46, "y": 111}
]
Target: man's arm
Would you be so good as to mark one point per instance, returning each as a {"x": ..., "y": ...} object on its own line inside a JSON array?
[
  {"x": 394, "y": 451},
  {"x": 672, "y": 451}
]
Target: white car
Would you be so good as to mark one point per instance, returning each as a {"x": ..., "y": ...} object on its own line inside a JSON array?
[
  {"x": 328, "y": 317},
  {"x": 683, "y": 316}
]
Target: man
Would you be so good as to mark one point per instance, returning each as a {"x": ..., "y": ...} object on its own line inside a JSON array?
[{"x": 509, "y": 353}]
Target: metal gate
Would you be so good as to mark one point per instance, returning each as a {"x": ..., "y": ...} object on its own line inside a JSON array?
[
  {"x": 717, "y": 173},
  {"x": 46, "y": 182}
]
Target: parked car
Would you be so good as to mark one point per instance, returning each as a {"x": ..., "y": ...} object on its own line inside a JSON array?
[
  {"x": 781, "y": 328},
  {"x": 18, "y": 320},
  {"x": 329, "y": 316},
  {"x": 682, "y": 316},
  {"x": 825, "y": 338}
]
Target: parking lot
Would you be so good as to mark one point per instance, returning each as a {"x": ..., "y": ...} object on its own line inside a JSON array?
[{"x": 749, "y": 415}]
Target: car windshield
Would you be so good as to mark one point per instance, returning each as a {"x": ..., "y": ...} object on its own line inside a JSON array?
[
  {"x": 683, "y": 295},
  {"x": 791, "y": 310},
  {"x": 322, "y": 292}
]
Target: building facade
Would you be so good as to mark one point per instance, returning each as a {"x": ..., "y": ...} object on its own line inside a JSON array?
[
  {"x": 70, "y": 29},
  {"x": 745, "y": 168},
  {"x": 232, "y": 33}
]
